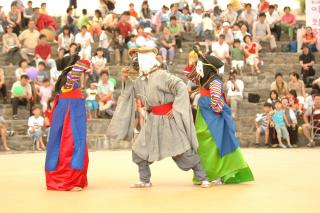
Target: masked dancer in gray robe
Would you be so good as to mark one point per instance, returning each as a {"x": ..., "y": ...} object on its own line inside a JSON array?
[{"x": 169, "y": 129}]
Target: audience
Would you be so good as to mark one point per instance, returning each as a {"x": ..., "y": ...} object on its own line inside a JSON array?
[
  {"x": 262, "y": 124},
  {"x": 296, "y": 84},
  {"x": 291, "y": 123},
  {"x": 65, "y": 38},
  {"x": 307, "y": 60},
  {"x": 235, "y": 89},
  {"x": 167, "y": 44},
  {"x": 230, "y": 15},
  {"x": 273, "y": 98},
  {"x": 279, "y": 85},
  {"x": 274, "y": 21},
  {"x": 29, "y": 39},
  {"x": 237, "y": 56},
  {"x": 248, "y": 16},
  {"x": 92, "y": 105},
  {"x": 288, "y": 22},
  {"x": 310, "y": 40},
  {"x": 35, "y": 124},
  {"x": 14, "y": 18},
  {"x": 84, "y": 40},
  {"x": 220, "y": 49},
  {"x": 252, "y": 54},
  {"x": 105, "y": 94},
  {"x": 176, "y": 29},
  {"x": 3, "y": 87},
  {"x": 11, "y": 45}
]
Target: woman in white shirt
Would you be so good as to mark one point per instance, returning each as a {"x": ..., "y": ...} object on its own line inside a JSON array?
[
  {"x": 65, "y": 38},
  {"x": 84, "y": 38},
  {"x": 235, "y": 92}
]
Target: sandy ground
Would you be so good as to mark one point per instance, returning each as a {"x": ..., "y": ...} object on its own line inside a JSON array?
[{"x": 286, "y": 181}]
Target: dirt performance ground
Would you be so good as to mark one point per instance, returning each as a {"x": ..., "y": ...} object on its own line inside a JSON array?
[{"x": 286, "y": 181}]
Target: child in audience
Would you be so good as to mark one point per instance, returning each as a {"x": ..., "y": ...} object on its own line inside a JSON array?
[
  {"x": 280, "y": 123},
  {"x": 273, "y": 98},
  {"x": 45, "y": 93},
  {"x": 42, "y": 74},
  {"x": 186, "y": 19},
  {"x": 132, "y": 43},
  {"x": 83, "y": 19},
  {"x": 262, "y": 124},
  {"x": 292, "y": 123},
  {"x": 99, "y": 63},
  {"x": 237, "y": 55},
  {"x": 35, "y": 123},
  {"x": 91, "y": 100},
  {"x": 105, "y": 42}
]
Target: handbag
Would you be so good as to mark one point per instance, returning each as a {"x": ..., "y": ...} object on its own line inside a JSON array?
[{"x": 253, "y": 98}]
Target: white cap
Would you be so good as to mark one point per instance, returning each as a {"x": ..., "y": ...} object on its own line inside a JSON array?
[
  {"x": 198, "y": 7},
  {"x": 147, "y": 30},
  {"x": 226, "y": 24}
]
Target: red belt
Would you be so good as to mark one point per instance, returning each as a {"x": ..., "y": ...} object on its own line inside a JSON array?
[{"x": 162, "y": 109}]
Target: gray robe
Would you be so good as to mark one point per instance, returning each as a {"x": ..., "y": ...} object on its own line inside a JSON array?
[{"x": 161, "y": 137}]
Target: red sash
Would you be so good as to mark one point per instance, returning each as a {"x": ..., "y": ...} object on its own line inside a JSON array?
[{"x": 162, "y": 109}]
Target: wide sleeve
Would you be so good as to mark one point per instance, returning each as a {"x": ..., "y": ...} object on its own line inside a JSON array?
[{"x": 217, "y": 102}]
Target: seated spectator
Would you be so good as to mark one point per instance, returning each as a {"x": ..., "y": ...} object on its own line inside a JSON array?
[
  {"x": 11, "y": 45},
  {"x": 293, "y": 102},
  {"x": 167, "y": 44},
  {"x": 105, "y": 42},
  {"x": 227, "y": 32},
  {"x": 237, "y": 57},
  {"x": 43, "y": 53},
  {"x": 220, "y": 49},
  {"x": 28, "y": 13},
  {"x": 241, "y": 34},
  {"x": 280, "y": 86},
  {"x": 45, "y": 93},
  {"x": 310, "y": 40},
  {"x": 176, "y": 29},
  {"x": 3, "y": 19},
  {"x": 14, "y": 18},
  {"x": 262, "y": 124},
  {"x": 42, "y": 75},
  {"x": 84, "y": 39},
  {"x": 68, "y": 20},
  {"x": 3, "y": 87},
  {"x": 279, "y": 120},
  {"x": 4, "y": 133},
  {"x": 145, "y": 15},
  {"x": 91, "y": 101},
  {"x": 288, "y": 22},
  {"x": 263, "y": 6},
  {"x": 230, "y": 15},
  {"x": 43, "y": 8},
  {"x": 252, "y": 54},
  {"x": 249, "y": 16},
  {"x": 208, "y": 30},
  {"x": 261, "y": 31},
  {"x": 196, "y": 20},
  {"x": 29, "y": 39},
  {"x": 96, "y": 24},
  {"x": 65, "y": 39},
  {"x": 197, "y": 4},
  {"x": 273, "y": 98},
  {"x": 274, "y": 21},
  {"x": 118, "y": 44},
  {"x": 44, "y": 21},
  {"x": 140, "y": 37},
  {"x": 312, "y": 112},
  {"x": 105, "y": 94},
  {"x": 83, "y": 19},
  {"x": 307, "y": 60},
  {"x": 133, "y": 42},
  {"x": 291, "y": 124},
  {"x": 99, "y": 63},
  {"x": 132, "y": 11},
  {"x": 21, "y": 94},
  {"x": 235, "y": 89},
  {"x": 296, "y": 84},
  {"x": 161, "y": 17},
  {"x": 35, "y": 124},
  {"x": 175, "y": 12},
  {"x": 110, "y": 21},
  {"x": 186, "y": 19},
  {"x": 22, "y": 70}
]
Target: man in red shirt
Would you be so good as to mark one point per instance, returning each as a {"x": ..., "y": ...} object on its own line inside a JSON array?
[
  {"x": 263, "y": 6},
  {"x": 42, "y": 52},
  {"x": 124, "y": 25}
]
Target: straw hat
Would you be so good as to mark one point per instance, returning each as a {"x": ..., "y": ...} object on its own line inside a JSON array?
[{"x": 142, "y": 50}]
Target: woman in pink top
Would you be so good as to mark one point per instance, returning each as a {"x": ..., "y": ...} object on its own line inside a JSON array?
[{"x": 288, "y": 22}]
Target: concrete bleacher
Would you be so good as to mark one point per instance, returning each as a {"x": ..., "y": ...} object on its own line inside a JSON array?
[{"x": 273, "y": 62}]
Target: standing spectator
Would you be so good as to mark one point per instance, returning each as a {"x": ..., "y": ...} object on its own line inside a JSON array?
[
  {"x": 252, "y": 54},
  {"x": 280, "y": 121},
  {"x": 220, "y": 49},
  {"x": 65, "y": 39},
  {"x": 263, "y": 6},
  {"x": 273, "y": 98},
  {"x": 91, "y": 100},
  {"x": 307, "y": 60},
  {"x": 132, "y": 11},
  {"x": 29, "y": 39},
  {"x": 176, "y": 29},
  {"x": 11, "y": 45},
  {"x": 292, "y": 123},
  {"x": 248, "y": 16},
  {"x": 230, "y": 15},
  {"x": 14, "y": 18},
  {"x": 262, "y": 124},
  {"x": 237, "y": 56},
  {"x": 310, "y": 40},
  {"x": 45, "y": 94},
  {"x": 105, "y": 94},
  {"x": 296, "y": 84},
  {"x": 261, "y": 31},
  {"x": 288, "y": 22},
  {"x": 21, "y": 94},
  {"x": 167, "y": 43},
  {"x": 274, "y": 21},
  {"x": 96, "y": 23},
  {"x": 3, "y": 87},
  {"x": 35, "y": 124},
  {"x": 227, "y": 32},
  {"x": 84, "y": 39},
  {"x": 83, "y": 19},
  {"x": 235, "y": 89},
  {"x": 196, "y": 20},
  {"x": 145, "y": 15},
  {"x": 241, "y": 34},
  {"x": 279, "y": 85},
  {"x": 208, "y": 31},
  {"x": 43, "y": 53},
  {"x": 27, "y": 13},
  {"x": 22, "y": 70}
]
